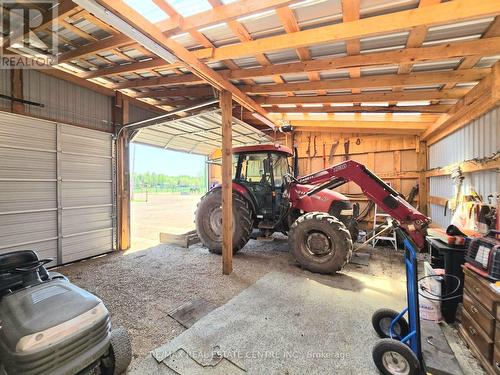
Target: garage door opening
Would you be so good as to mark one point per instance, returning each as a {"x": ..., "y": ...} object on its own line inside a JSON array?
[{"x": 166, "y": 186}]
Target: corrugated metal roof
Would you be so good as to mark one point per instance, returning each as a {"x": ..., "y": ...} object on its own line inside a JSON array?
[{"x": 198, "y": 134}]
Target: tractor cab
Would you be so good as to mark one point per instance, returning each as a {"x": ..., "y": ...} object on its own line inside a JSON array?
[{"x": 260, "y": 170}]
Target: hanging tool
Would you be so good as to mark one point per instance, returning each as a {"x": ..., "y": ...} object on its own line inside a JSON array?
[
  {"x": 315, "y": 149},
  {"x": 324, "y": 155},
  {"x": 346, "y": 149},
  {"x": 333, "y": 149},
  {"x": 308, "y": 151}
]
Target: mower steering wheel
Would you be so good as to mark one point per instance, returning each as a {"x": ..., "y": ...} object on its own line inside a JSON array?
[{"x": 31, "y": 266}]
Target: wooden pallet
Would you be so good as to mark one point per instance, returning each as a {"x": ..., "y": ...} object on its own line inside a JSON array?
[{"x": 184, "y": 240}]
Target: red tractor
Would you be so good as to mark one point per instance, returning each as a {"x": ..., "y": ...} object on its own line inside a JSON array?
[{"x": 320, "y": 223}]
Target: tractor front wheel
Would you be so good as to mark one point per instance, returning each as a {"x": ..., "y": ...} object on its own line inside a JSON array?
[
  {"x": 209, "y": 221},
  {"x": 320, "y": 242}
]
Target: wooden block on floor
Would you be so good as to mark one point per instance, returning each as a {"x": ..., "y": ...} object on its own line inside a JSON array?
[
  {"x": 190, "y": 312},
  {"x": 184, "y": 239},
  {"x": 438, "y": 357}
]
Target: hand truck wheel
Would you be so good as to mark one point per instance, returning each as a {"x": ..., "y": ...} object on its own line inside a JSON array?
[
  {"x": 392, "y": 357},
  {"x": 381, "y": 321}
]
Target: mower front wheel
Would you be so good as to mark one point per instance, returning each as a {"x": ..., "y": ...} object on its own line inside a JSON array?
[
  {"x": 320, "y": 242},
  {"x": 119, "y": 354}
]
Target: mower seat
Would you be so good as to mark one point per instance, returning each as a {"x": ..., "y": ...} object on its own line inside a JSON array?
[{"x": 12, "y": 281}]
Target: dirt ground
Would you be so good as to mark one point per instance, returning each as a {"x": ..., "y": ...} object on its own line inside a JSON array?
[{"x": 160, "y": 212}]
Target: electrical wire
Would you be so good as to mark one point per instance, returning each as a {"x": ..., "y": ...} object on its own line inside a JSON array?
[{"x": 447, "y": 297}]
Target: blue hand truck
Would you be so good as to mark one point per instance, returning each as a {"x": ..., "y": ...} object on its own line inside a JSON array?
[{"x": 399, "y": 351}]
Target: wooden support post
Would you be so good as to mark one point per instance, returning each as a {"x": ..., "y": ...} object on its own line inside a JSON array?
[
  {"x": 121, "y": 117},
  {"x": 227, "y": 186},
  {"x": 16, "y": 84},
  {"x": 421, "y": 149}
]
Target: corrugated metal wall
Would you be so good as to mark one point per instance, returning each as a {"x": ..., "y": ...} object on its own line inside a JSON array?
[
  {"x": 56, "y": 189},
  {"x": 479, "y": 139},
  {"x": 138, "y": 114},
  {"x": 66, "y": 102},
  {"x": 4, "y": 87}
]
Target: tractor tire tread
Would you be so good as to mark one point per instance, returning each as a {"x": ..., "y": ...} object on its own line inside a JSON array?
[
  {"x": 341, "y": 232},
  {"x": 245, "y": 222}
]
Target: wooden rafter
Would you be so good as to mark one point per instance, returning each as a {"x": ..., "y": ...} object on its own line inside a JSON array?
[
  {"x": 176, "y": 23},
  {"x": 477, "y": 101},
  {"x": 182, "y": 91},
  {"x": 471, "y": 61},
  {"x": 377, "y": 97},
  {"x": 291, "y": 25},
  {"x": 350, "y": 12},
  {"x": 453, "y": 11},
  {"x": 196, "y": 66},
  {"x": 359, "y": 127},
  {"x": 389, "y": 118},
  {"x": 386, "y": 80},
  {"x": 436, "y": 108},
  {"x": 243, "y": 35},
  {"x": 224, "y": 13},
  {"x": 147, "y": 65},
  {"x": 476, "y": 48}
]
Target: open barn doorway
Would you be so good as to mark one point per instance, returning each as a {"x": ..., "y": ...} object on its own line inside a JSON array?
[{"x": 166, "y": 187}]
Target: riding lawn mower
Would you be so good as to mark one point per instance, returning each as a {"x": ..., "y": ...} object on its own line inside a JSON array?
[{"x": 50, "y": 326}]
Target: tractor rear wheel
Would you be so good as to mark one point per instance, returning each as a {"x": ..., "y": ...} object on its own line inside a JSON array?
[
  {"x": 320, "y": 242},
  {"x": 209, "y": 221}
]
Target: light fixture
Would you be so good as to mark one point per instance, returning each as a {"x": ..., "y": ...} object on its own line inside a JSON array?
[{"x": 121, "y": 25}]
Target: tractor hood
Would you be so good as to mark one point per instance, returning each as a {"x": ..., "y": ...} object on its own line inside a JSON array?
[{"x": 321, "y": 201}]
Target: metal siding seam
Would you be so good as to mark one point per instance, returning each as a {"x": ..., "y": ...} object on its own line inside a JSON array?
[{"x": 59, "y": 195}]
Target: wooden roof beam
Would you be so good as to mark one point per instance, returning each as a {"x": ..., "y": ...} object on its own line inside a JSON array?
[
  {"x": 475, "y": 48},
  {"x": 350, "y": 12},
  {"x": 159, "y": 81},
  {"x": 389, "y": 118},
  {"x": 183, "y": 91},
  {"x": 386, "y": 80},
  {"x": 154, "y": 63},
  {"x": 205, "y": 73},
  {"x": 224, "y": 13},
  {"x": 416, "y": 37},
  {"x": 481, "y": 47},
  {"x": 436, "y": 108},
  {"x": 377, "y": 97},
  {"x": 471, "y": 61},
  {"x": 453, "y": 11},
  {"x": 482, "y": 98},
  {"x": 207, "y": 18},
  {"x": 359, "y": 126}
]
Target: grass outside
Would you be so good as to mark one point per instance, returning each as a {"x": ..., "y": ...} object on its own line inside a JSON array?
[{"x": 160, "y": 212}]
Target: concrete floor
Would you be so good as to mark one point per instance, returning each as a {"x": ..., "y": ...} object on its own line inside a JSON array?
[{"x": 141, "y": 287}]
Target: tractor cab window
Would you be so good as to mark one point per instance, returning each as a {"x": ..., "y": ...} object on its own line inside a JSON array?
[
  {"x": 254, "y": 168},
  {"x": 280, "y": 168}
]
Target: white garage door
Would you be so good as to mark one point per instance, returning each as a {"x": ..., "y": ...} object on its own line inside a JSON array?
[{"x": 56, "y": 189}]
